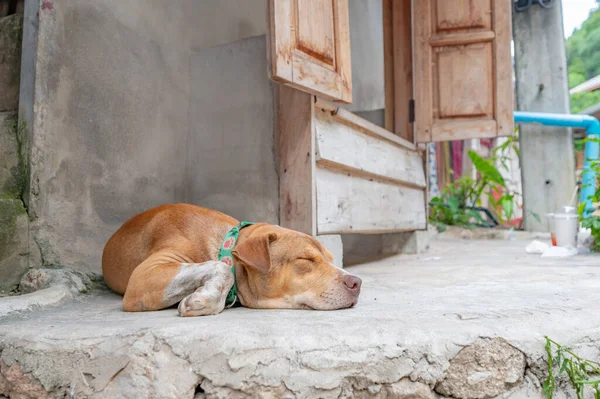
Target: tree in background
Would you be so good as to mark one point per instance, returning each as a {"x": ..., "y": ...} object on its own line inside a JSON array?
[{"x": 583, "y": 60}]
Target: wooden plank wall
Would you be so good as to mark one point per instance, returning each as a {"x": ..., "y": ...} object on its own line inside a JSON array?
[{"x": 367, "y": 180}]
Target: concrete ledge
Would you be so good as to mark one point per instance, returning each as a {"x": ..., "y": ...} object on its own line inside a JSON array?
[
  {"x": 43, "y": 288},
  {"x": 360, "y": 248},
  {"x": 427, "y": 326},
  {"x": 35, "y": 301},
  {"x": 454, "y": 232}
]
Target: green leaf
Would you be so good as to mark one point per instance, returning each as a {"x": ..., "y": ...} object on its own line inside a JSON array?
[
  {"x": 453, "y": 204},
  {"x": 581, "y": 209},
  {"x": 507, "y": 206},
  {"x": 564, "y": 366},
  {"x": 547, "y": 389},
  {"x": 535, "y": 216},
  {"x": 486, "y": 168},
  {"x": 477, "y": 216}
]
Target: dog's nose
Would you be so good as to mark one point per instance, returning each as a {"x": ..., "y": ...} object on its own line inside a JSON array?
[{"x": 352, "y": 282}]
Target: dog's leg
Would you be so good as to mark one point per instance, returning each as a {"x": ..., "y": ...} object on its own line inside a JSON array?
[
  {"x": 208, "y": 299},
  {"x": 163, "y": 280}
]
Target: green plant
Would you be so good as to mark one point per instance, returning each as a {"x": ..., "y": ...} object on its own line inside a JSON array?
[
  {"x": 454, "y": 206},
  {"x": 579, "y": 145},
  {"x": 581, "y": 372},
  {"x": 587, "y": 218},
  {"x": 451, "y": 208}
]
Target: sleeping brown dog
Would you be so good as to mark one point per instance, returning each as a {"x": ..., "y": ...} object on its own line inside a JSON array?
[{"x": 170, "y": 254}]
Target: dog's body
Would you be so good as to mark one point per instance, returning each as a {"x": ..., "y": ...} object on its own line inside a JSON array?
[{"x": 169, "y": 254}]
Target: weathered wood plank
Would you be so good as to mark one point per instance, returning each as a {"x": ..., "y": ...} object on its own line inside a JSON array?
[
  {"x": 461, "y": 38},
  {"x": 296, "y": 160},
  {"x": 342, "y": 45},
  {"x": 350, "y": 204},
  {"x": 388, "y": 62},
  {"x": 280, "y": 41},
  {"x": 403, "y": 69},
  {"x": 504, "y": 72},
  {"x": 365, "y": 126},
  {"x": 349, "y": 148},
  {"x": 423, "y": 73},
  {"x": 464, "y": 129}
]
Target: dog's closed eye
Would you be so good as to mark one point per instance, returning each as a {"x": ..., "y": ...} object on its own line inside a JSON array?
[{"x": 303, "y": 265}]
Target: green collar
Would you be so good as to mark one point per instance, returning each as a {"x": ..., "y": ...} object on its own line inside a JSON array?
[{"x": 226, "y": 257}]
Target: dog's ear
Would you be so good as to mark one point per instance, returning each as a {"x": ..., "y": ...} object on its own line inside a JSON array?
[{"x": 254, "y": 252}]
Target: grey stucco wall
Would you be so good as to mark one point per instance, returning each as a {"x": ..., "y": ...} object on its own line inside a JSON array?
[
  {"x": 366, "y": 39},
  {"x": 211, "y": 23},
  {"x": 111, "y": 99},
  {"x": 127, "y": 117},
  {"x": 230, "y": 162}
]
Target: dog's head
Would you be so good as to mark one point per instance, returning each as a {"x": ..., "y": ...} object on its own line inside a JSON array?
[{"x": 281, "y": 268}]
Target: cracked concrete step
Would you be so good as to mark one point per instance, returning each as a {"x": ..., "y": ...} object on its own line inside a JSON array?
[{"x": 465, "y": 320}]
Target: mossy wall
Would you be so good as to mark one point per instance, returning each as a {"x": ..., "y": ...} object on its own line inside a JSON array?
[{"x": 14, "y": 164}]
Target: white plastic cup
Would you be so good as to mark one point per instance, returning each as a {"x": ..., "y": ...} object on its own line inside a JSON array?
[{"x": 565, "y": 229}]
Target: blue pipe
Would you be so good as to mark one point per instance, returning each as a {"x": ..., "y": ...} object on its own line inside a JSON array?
[{"x": 592, "y": 147}]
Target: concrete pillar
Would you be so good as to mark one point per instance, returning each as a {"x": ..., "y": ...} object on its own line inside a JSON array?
[{"x": 547, "y": 155}]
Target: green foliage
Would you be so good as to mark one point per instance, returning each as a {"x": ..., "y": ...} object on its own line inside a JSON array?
[
  {"x": 588, "y": 220},
  {"x": 583, "y": 50},
  {"x": 583, "y": 60},
  {"x": 486, "y": 168},
  {"x": 581, "y": 372},
  {"x": 582, "y": 101},
  {"x": 452, "y": 207}
]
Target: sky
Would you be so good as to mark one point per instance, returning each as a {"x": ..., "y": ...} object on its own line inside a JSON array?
[{"x": 575, "y": 12}]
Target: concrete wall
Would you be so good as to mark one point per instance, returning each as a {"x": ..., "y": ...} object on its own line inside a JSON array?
[
  {"x": 211, "y": 23},
  {"x": 230, "y": 163},
  {"x": 366, "y": 39},
  {"x": 128, "y": 116}
]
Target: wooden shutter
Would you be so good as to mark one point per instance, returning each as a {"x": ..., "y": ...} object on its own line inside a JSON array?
[
  {"x": 462, "y": 70},
  {"x": 309, "y": 47}
]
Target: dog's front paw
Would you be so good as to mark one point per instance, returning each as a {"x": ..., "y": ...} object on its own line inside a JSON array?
[{"x": 200, "y": 304}]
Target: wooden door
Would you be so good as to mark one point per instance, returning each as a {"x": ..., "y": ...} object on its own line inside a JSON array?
[
  {"x": 309, "y": 47},
  {"x": 462, "y": 69}
]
